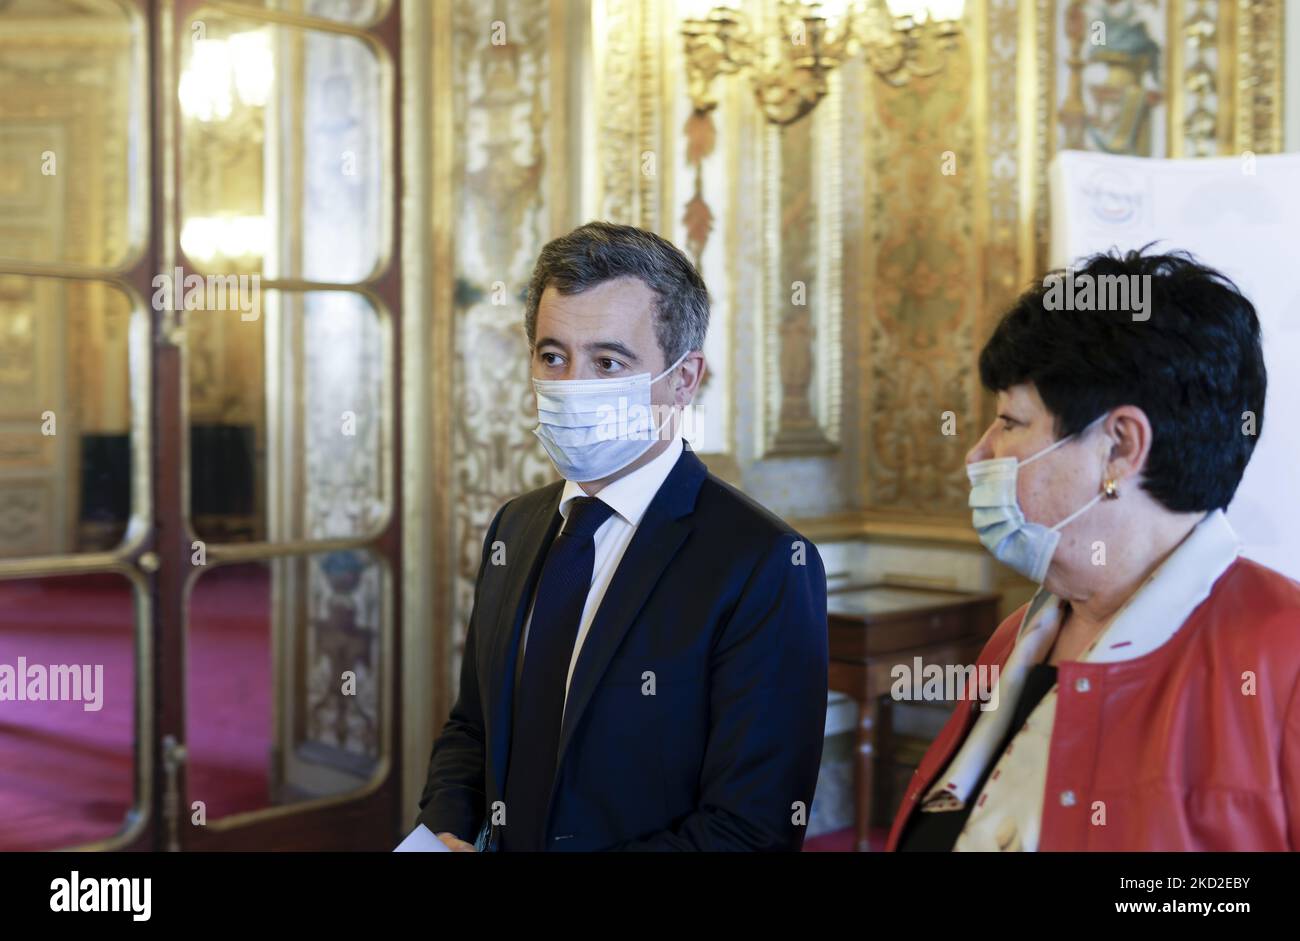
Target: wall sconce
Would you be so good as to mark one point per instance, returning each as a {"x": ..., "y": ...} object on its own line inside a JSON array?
[{"x": 901, "y": 39}]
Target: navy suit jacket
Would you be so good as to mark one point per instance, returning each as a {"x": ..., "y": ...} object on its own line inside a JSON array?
[{"x": 697, "y": 708}]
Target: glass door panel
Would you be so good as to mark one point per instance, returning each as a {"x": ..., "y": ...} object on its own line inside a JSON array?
[
  {"x": 286, "y": 680},
  {"x": 69, "y": 721}
]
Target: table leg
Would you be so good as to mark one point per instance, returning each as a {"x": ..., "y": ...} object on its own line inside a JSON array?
[{"x": 866, "y": 736}]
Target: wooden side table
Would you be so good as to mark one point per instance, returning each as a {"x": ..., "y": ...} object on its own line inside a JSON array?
[{"x": 874, "y": 627}]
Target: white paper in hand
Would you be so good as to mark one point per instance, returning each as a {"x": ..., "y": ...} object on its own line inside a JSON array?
[{"x": 422, "y": 840}]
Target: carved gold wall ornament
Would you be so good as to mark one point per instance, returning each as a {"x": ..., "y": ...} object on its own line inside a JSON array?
[
  {"x": 1257, "y": 100},
  {"x": 789, "y": 55},
  {"x": 633, "y": 86},
  {"x": 802, "y": 313},
  {"x": 1199, "y": 40}
]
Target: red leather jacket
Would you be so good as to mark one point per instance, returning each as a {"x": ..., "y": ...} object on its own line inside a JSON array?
[{"x": 1174, "y": 743}]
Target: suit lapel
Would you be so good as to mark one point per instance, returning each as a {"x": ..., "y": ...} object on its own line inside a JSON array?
[
  {"x": 659, "y": 535},
  {"x": 524, "y": 557}
]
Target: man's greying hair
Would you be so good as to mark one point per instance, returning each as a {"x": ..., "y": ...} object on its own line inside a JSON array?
[{"x": 603, "y": 251}]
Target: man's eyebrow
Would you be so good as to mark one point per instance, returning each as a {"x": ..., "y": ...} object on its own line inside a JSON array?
[
  {"x": 550, "y": 341},
  {"x": 613, "y": 346}
]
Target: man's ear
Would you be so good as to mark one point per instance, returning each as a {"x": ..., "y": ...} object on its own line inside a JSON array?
[
  {"x": 1129, "y": 431},
  {"x": 687, "y": 378}
]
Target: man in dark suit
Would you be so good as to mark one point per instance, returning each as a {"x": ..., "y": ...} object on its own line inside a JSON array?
[{"x": 646, "y": 661}]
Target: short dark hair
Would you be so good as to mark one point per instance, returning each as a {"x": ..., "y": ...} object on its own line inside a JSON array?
[
  {"x": 1194, "y": 367},
  {"x": 603, "y": 251}
]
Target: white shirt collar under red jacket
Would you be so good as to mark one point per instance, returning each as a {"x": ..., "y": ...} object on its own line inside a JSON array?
[{"x": 1147, "y": 620}]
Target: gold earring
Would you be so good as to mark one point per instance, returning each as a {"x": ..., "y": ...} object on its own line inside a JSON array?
[{"x": 1110, "y": 488}]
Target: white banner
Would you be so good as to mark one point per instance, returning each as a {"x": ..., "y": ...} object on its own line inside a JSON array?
[{"x": 1240, "y": 215}]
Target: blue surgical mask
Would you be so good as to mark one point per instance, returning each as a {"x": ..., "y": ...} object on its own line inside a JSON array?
[
  {"x": 592, "y": 428},
  {"x": 995, "y": 511}
]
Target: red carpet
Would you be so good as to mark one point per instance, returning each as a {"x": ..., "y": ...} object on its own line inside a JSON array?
[{"x": 66, "y": 775}]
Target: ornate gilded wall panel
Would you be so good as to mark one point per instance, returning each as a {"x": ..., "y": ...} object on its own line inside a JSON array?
[
  {"x": 1257, "y": 99},
  {"x": 921, "y": 294},
  {"x": 504, "y": 88},
  {"x": 1164, "y": 78},
  {"x": 658, "y": 166},
  {"x": 634, "y": 100},
  {"x": 800, "y": 380}
]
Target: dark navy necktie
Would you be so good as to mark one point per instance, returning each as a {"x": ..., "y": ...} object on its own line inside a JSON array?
[{"x": 548, "y": 649}]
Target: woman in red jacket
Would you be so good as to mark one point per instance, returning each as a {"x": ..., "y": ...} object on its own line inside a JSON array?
[{"x": 1147, "y": 695}]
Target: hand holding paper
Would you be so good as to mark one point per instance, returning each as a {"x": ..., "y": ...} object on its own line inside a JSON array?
[{"x": 421, "y": 840}]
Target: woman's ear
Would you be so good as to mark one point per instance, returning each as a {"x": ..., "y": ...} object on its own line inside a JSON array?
[{"x": 1129, "y": 431}]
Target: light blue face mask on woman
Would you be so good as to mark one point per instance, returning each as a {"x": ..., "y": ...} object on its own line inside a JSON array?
[
  {"x": 592, "y": 428},
  {"x": 995, "y": 511}
]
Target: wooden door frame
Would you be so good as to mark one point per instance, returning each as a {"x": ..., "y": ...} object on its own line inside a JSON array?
[{"x": 367, "y": 821}]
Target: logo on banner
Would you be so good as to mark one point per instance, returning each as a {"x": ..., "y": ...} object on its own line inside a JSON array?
[{"x": 1114, "y": 198}]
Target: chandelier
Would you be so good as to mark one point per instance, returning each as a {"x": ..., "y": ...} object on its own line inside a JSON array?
[{"x": 788, "y": 62}]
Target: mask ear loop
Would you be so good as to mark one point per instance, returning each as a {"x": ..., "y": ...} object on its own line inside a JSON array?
[
  {"x": 1052, "y": 447},
  {"x": 681, "y": 359},
  {"x": 1109, "y": 491},
  {"x": 655, "y": 434},
  {"x": 1077, "y": 513}
]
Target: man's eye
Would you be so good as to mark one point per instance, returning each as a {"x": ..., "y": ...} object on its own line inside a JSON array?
[
  {"x": 551, "y": 359},
  {"x": 609, "y": 365}
]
